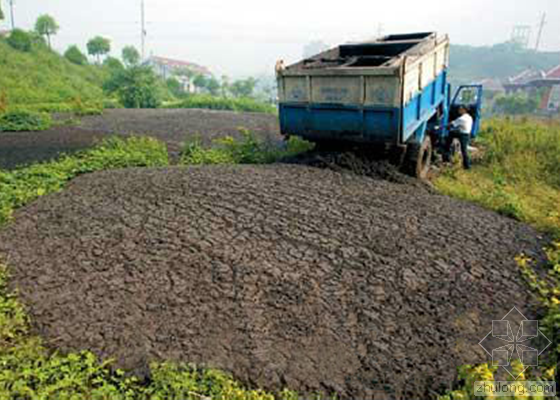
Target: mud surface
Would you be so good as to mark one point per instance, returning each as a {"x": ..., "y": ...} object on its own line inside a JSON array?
[
  {"x": 284, "y": 275},
  {"x": 171, "y": 126}
]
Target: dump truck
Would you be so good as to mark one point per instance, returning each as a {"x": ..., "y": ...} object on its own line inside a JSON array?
[{"x": 391, "y": 92}]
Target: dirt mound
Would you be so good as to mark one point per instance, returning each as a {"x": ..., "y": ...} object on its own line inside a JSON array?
[
  {"x": 170, "y": 126},
  {"x": 376, "y": 166},
  {"x": 284, "y": 275}
]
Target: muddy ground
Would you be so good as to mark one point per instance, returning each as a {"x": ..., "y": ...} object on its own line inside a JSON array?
[
  {"x": 171, "y": 126},
  {"x": 284, "y": 275}
]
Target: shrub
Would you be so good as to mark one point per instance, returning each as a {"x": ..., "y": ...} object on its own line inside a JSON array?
[
  {"x": 247, "y": 150},
  {"x": 74, "y": 55},
  {"x": 17, "y": 121},
  {"x": 20, "y": 40},
  {"x": 82, "y": 109},
  {"x": 136, "y": 87}
]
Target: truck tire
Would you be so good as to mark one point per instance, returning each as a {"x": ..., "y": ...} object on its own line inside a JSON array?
[{"x": 418, "y": 158}]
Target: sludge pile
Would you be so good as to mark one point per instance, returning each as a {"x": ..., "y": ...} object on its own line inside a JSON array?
[{"x": 287, "y": 276}]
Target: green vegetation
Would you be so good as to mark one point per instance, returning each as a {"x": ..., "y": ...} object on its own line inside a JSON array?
[
  {"x": 46, "y": 26},
  {"x": 248, "y": 150},
  {"x": 501, "y": 61},
  {"x": 20, "y": 40},
  {"x": 518, "y": 176},
  {"x": 98, "y": 46},
  {"x": 222, "y": 103},
  {"x": 18, "y": 121},
  {"x": 75, "y": 55},
  {"x": 130, "y": 56},
  {"x": 516, "y": 104},
  {"x": 42, "y": 80},
  {"x": 136, "y": 87}
]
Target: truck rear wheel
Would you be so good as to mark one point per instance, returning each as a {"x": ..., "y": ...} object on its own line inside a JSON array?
[{"x": 418, "y": 158}]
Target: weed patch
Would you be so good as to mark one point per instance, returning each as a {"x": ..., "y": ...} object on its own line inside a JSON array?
[
  {"x": 247, "y": 150},
  {"x": 17, "y": 121}
]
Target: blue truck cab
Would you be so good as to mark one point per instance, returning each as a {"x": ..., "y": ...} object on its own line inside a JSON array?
[{"x": 391, "y": 92}]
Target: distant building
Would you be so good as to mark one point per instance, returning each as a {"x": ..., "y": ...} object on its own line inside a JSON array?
[
  {"x": 533, "y": 81},
  {"x": 493, "y": 86},
  {"x": 167, "y": 68},
  {"x": 524, "y": 81}
]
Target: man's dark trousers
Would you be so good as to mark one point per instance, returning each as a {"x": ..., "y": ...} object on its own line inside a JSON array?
[{"x": 464, "y": 139}]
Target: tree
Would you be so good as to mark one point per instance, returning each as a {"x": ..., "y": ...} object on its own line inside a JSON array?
[
  {"x": 98, "y": 46},
  {"x": 46, "y": 26},
  {"x": 130, "y": 56},
  {"x": 113, "y": 64},
  {"x": 74, "y": 55},
  {"x": 209, "y": 84},
  {"x": 243, "y": 87},
  {"x": 516, "y": 104},
  {"x": 1, "y": 13},
  {"x": 174, "y": 86},
  {"x": 136, "y": 87}
]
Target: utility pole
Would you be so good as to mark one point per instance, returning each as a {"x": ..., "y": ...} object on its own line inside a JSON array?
[
  {"x": 143, "y": 33},
  {"x": 12, "y": 14},
  {"x": 541, "y": 28}
]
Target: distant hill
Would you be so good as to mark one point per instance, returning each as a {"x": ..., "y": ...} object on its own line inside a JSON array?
[
  {"x": 42, "y": 76},
  {"x": 500, "y": 61}
]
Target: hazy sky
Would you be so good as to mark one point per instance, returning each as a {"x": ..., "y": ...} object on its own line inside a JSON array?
[{"x": 247, "y": 36}]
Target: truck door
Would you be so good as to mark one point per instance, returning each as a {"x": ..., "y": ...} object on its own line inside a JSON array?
[{"x": 469, "y": 96}]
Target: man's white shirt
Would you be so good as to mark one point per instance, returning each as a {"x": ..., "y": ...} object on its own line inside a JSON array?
[{"x": 463, "y": 124}]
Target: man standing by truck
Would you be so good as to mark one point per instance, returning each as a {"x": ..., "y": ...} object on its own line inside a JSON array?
[{"x": 461, "y": 129}]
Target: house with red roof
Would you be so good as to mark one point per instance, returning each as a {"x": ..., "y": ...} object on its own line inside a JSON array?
[{"x": 183, "y": 71}]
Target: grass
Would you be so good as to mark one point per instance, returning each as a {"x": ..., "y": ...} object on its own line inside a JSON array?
[
  {"x": 42, "y": 79},
  {"x": 222, "y": 103},
  {"x": 518, "y": 175},
  {"x": 17, "y": 121}
]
